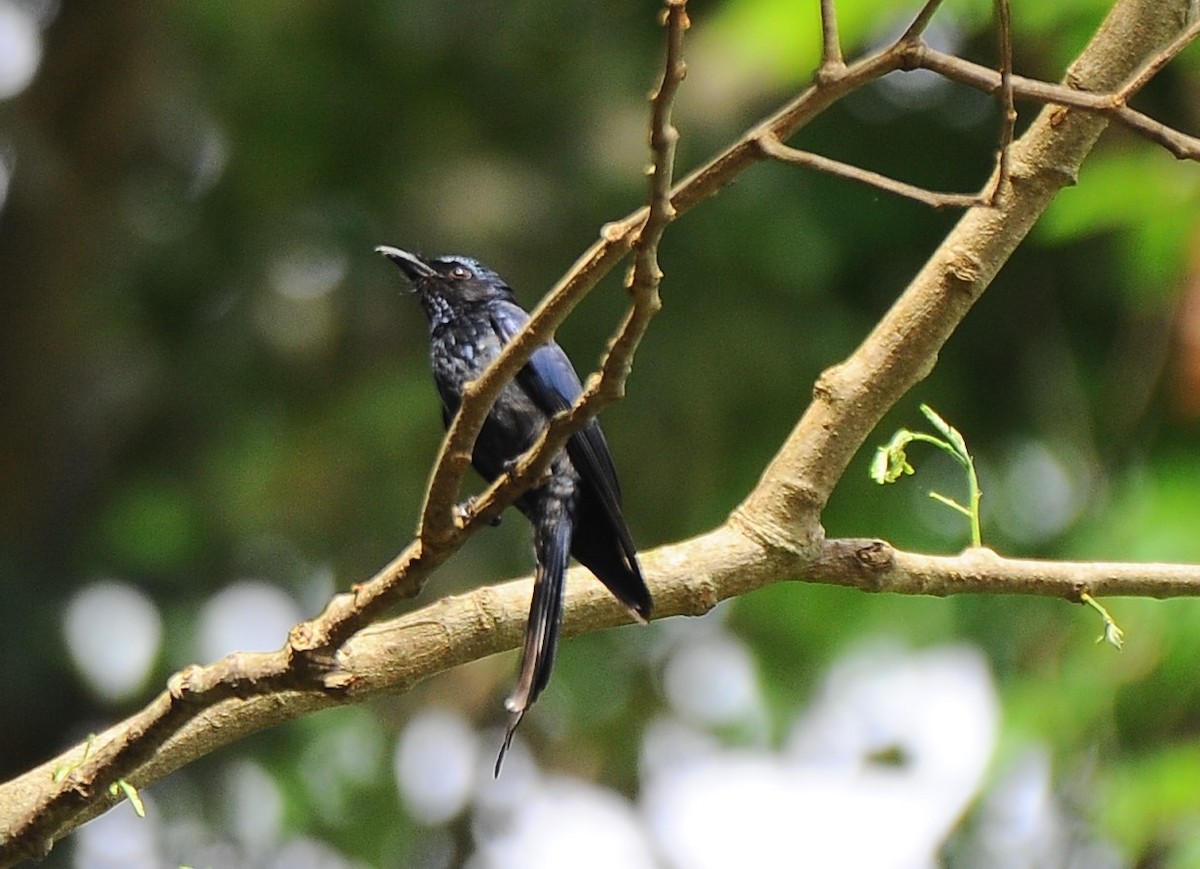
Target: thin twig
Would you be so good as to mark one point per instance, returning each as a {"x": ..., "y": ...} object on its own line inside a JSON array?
[
  {"x": 1006, "y": 86},
  {"x": 832, "y": 61},
  {"x": 645, "y": 277},
  {"x": 779, "y": 151},
  {"x": 1155, "y": 64},
  {"x": 920, "y": 23},
  {"x": 982, "y": 78},
  {"x": 1008, "y": 109},
  {"x": 980, "y": 570},
  {"x": 908, "y": 45}
]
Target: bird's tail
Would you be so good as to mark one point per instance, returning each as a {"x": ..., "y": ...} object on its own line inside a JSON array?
[{"x": 552, "y": 545}]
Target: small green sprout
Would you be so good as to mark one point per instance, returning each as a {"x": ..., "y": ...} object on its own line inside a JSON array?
[
  {"x": 131, "y": 794},
  {"x": 891, "y": 463},
  {"x": 1113, "y": 635},
  {"x": 120, "y": 786}
]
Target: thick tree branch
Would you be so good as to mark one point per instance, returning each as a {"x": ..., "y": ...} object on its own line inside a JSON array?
[{"x": 688, "y": 578}]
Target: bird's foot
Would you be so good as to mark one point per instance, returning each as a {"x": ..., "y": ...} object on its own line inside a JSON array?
[{"x": 463, "y": 511}]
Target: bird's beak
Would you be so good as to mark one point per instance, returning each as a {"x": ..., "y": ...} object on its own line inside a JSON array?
[{"x": 413, "y": 266}]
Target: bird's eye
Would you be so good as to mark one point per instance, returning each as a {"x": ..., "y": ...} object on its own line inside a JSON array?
[{"x": 460, "y": 273}]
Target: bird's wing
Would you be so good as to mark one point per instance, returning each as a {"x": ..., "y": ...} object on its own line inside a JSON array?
[{"x": 551, "y": 381}]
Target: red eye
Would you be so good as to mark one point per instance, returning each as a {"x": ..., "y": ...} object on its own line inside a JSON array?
[{"x": 460, "y": 273}]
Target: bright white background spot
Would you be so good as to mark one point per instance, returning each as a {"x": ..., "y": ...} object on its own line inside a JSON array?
[
  {"x": 253, "y": 806},
  {"x": 307, "y": 273},
  {"x": 1027, "y": 820},
  {"x": 1040, "y": 495},
  {"x": 565, "y": 822},
  {"x": 20, "y": 49},
  {"x": 668, "y": 743},
  {"x": 113, "y": 633},
  {"x": 298, "y": 316},
  {"x": 119, "y": 838},
  {"x": 435, "y": 765},
  {"x": 902, "y": 739},
  {"x": 248, "y": 616},
  {"x": 712, "y": 681}
]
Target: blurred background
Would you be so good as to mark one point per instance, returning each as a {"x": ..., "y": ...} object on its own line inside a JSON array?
[{"x": 217, "y": 412}]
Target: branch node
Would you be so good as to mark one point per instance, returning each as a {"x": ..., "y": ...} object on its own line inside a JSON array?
[
  {"x": 826, "y": 388},
  {"x": 910, "y": 54},
  {"x": 180, "y": 685},
  {"x": 963, "y": 271},
  {"x": 614, "y": 231},
  {"x": 302, "y": 638},
  {"x": 829, "y": 73},
  {"x": 875, "y": 556}
]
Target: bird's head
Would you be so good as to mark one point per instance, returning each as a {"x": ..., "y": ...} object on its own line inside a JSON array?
[{"x": 448, "y": 280}]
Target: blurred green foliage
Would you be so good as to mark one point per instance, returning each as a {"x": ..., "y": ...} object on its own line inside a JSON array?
[{"x": 208, "y": 375}]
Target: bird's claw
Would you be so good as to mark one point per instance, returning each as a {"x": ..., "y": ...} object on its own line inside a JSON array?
[
  {"x": 463, "y": 511},
  {"x": 510, "y": 467}
]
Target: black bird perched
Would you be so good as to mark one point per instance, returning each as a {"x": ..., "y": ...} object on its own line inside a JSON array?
[{"x": 577, "y": 511}]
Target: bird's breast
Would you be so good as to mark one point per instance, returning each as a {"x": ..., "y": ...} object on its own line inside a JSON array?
[{"x": 460, "y": 352}]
